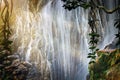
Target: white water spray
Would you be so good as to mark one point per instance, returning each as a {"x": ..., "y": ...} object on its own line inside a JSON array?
[{"x": 55, "y": 40}]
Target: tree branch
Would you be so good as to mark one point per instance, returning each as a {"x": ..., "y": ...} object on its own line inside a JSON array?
[{"x": 109, "y": 11}]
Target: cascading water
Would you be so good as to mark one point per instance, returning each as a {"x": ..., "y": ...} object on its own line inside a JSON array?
[
  {"x": 108, "y": 30},
  {"x": 54, "y": 40}
]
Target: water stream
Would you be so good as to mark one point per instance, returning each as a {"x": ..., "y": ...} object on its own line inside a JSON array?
[{"x": 55, "y": 40}]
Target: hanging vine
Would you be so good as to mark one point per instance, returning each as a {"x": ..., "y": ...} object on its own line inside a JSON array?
[{"x": 94, "y": 36}]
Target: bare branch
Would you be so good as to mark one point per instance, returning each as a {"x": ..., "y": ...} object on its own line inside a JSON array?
[{"x": 109, "y": 11}]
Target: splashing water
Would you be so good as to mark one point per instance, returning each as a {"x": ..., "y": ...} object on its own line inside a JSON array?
[{"x": 55, "y": 40}]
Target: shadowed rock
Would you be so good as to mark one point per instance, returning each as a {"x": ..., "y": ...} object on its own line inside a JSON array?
[
  {"x": 11, "y": 67},
  {"x": 113, "y": 44}
]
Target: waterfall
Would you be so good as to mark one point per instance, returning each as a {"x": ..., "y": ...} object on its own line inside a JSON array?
[
  {"x": 108, "y": 30},
  {"x": 55, "y": 40}
]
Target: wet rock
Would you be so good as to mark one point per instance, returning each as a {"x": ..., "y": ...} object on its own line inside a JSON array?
[
  {"x": 19, "y": 69},
  {"x": 6, "y": 52},
  {"x": 11, "y": 67},
  {"x": 6, "y": 62},
  {"x": 113, "y": 44},
  {"x": 20, "y": 72},
  {"x": 1, "y": 47},
  {"x": 12, "y": 57},
  {"x": 34, "y": 73},
  {"x": 1, "y": 65},
  {"x": 37, "y": 74},
  {"x": 88, "y": 77}
]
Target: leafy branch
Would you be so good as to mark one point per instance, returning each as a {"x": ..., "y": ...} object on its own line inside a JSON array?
[
  {"x": 104, "y": 8},
  {"x": 93, "y": 42},
  {"x": 79, "y": 3}
]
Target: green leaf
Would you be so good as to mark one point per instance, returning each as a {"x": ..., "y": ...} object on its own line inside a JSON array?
[
  {"x": 92, "y": 42},
  {"x": 94, "y": 34},
  {"x": 93, "y": 57},
  {"x": 97, "y": 49},
  {"x": 89, "y": 57},
  {"x": 91, "y": 62},
  {"x": 85, "y": 5},
  {"x": 96, "y": 41},
  {"x": 92, "y": 47},
  {"x": 91, "y": 54}
]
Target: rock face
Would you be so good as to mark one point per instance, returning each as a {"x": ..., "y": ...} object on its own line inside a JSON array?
[
  {"x": 113, "y": 45},
  {"x": 36, "y": 74},
  {"x": 106, "y": 66},
  {"x": 36, "y": 5},
  {"x": 114, "y": 73},
  {"x": 11, "y": 67}
]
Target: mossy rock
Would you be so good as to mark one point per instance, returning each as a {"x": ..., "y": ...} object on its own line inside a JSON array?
[
  {"x": 105, "y": 62},
  {"x": 113, "y": 73}
]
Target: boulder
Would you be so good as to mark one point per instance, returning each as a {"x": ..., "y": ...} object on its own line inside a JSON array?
[{"x": 11, "y": 67}]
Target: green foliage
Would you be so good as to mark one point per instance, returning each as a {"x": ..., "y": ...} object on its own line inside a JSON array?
[
  {"x": 105, "y": 61},
  {"x": 85, "y": 5},
  {"x": 75, "y": 3},
  {"x": 98, "y": 71},
  {"x": 91, "y": 61},
  {"x": 93, "y": 41},
  {"x": 72, "y": 4},
  {"x": 94, "y": 34},
  {"x": 92, "y": 47}
]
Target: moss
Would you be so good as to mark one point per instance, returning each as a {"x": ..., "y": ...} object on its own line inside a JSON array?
[
  {"x": 104, "y": 64},
  {"x": 113, "y": 73}
]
